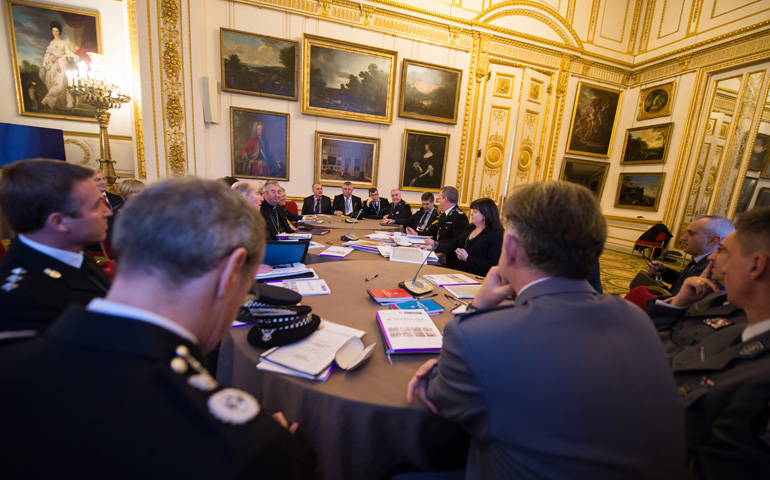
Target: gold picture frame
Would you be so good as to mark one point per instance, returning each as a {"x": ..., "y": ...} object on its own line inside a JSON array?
[
  {"x": 259, "y": 144},
  {"x": 656, "y": 101},
  {"x": 429, "y": 92},
  {"x": 594, "y": 118},
  {"x": 591, "y": 174},
  {"x": 423, "y": 161},
  {"x": 40, "y": 67},
  {"x": 640, "y": 191},
  {"x": 647, "y": 144},
  {"x": 347, "y": 80},
  {"x": 341, "y": 158}
]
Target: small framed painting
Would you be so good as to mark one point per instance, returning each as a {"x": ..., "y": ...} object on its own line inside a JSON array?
[
  {"x": 640, "y": 191},
  {"x": 259, "y": 142},
  {"x": 341, "y": 158},
  {"x": 656, "y": 101},
  {"x": 647, "y": 144},
  {"x": 590, "y": 174},
  {"x": 429, "y": 92},
  {"x": 759, "y": 152},
  {"x": 423, "y": 161}
]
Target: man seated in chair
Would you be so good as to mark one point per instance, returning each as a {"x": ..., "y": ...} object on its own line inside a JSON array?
[
  {"x": 398, "y": 209},
  {"x": 118, "y": 390},
  {"x": 57, "y": 210},
  {"x": 703, "y": 236},
  {"x": 317, "y": 203},
  {"x": 274, "y": 213},
  {"x": 375, "y": 207}
]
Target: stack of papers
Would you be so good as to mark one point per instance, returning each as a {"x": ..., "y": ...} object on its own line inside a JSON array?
[
  {"x": 386, "y": 296},
  {"x": 294, "y": 236},
  {"x": 463, "y": 291},
  {"x": 411, "y": 255},
  {"x": 431, "y": 307},
  {"x": 409, "y": 331},
  {"x": 364, "y": 246},
  {"x": 452, "y": 279},
  {"x": 306, "y": 287},
  {"x": 339, "y": 252},
  {"x": 311, "y": 357},
  {"x": 294, "y": 270}
]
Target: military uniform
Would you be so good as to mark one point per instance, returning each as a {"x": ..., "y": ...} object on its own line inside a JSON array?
[
  {"x": 399, "y": 211},
  {"x": 724, "y": 386},
  {"x": 100, "y": 396},
  {"x": 448, "y": 226},
  {"x": 36, "y": 288},
  {"x": 691, "y": 325}
]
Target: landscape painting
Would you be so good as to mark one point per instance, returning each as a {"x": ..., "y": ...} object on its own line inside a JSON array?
[
  {"x": 593, "y": 120},
  {"x": 640, "y": 191},
  {"x": 429, "y": 92},
  {"x": 349, "y": 81},
  {"x": 647, "y": 144},
  {"x": 258, "y": 65}
]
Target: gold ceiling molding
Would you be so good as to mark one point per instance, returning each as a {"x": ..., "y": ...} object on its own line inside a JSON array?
[
  {"x": 647, "y": 25},
  {"x": 561, "y": 91},
  {"x": 550, "y": 17},
  {"x": 136, "y": 91},
  {"x": 172, "y": 86},
  {"x": 634, "y": 27}
]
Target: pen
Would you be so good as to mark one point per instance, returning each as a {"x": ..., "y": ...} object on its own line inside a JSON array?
[{"x": 425, "y": 296}]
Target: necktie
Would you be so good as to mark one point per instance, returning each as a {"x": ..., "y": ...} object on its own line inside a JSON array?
[
  {"x": 348, "y": 208},
  {"x": 105, "y": 201},
  {"x": 423, "y": 221},
  {"x": 318, "y": 206}
]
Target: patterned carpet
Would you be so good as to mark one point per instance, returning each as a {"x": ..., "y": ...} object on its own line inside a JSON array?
[{"x": 619, "y": 268}]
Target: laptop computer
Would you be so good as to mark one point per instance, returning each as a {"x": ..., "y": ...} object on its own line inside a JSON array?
[{"x": 285, "y": 253}]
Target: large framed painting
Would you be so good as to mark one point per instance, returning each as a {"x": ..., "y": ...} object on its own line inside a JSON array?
[
  {"x": 747, "y": 191},
  {"x": 763, "y": 199},
  {"x": 258, "y": 65},
  {"x": 259, "y": 142},
  {"x": 593, "y": 120},
  {"x": 429, "y": 92},
  {"x": 341, "y": 158},
  {"x": 647, "y": 144},
  {"x": 759, "y": 152},
  {"x": 656, "y": 101},
  {"x": 640, "y": 191},
  {"x": 423, "y": 161},
  {"x": 347, "y": 80},
  {"x": 47, "y": 42},
  {"x": 591, "y": 174}
]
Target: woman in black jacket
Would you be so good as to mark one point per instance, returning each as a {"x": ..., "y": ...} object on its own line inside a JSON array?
[{"x": 478, "y": 246}]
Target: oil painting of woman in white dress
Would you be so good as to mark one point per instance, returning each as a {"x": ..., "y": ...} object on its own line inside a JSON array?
[{"x": 57, "y": 60}]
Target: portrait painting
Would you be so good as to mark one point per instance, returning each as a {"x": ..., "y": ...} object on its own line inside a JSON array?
[
  {"x": 46, "y": 43},
  {"x": 341, "y": 158},
  {"x": 656, "y": 101},
  {"x": 593, "y": 120},
  {"x": 747, "y": 191},
  {"x": 429, "y": 92},
  {"x": 590, "y": 174},
  {"x": 647, "y": 144},
  {"x": 347, "y": 80},
  {"x": 259, "y": 65},
  {"x": 759, "y": 152},
  {"x": 763, "y": 199},
  {"x": 640, "y": 191},
  {"x": 259, "y": 142},
  {"x": 423, "y": 161}
]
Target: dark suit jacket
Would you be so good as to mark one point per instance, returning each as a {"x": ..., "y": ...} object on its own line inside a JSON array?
[
  {"x": 399, "y": 211},
  {"x": 483, "y": 251},
  {"x": 676, "y": 278},
  {"x": 448, "y": 227},
  {"x": 595, "y": 400},
  {"x": 33, "y": 297},
  {"x": 308, "y": 205},
  {"x": 370, "y": 211},
  {"x": 724, "y": 385},
  {"x": 414, "y": 220},
  {"x": 689, "y": 325},
  {"x": 118, "y": 410},
  {"x": 275, "y": 220},
  {"x": 339, "y": 204}
]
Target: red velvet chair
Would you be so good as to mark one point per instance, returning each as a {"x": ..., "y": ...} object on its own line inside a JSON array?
[
  {"x": 291, "y": 206},
  {"x": 643, "y": 245}
]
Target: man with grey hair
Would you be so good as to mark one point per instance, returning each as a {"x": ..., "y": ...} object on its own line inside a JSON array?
[
  {"x": 450, "y": 223},
  {"x": 566, "y": 382},
  {"x": 57, "y": 210},
  {"x": 250, "y": 192},
  {"x": 703, "y": 236},
  {"x": 124, "y": 376},
  {"x": 274, "y": 215}
]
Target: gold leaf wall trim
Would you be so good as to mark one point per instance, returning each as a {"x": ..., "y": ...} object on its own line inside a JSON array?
[
  {"x": 82, "y": 145},
  {"x": 172, "y": 86},
  {"x": 136, "y": 94}
]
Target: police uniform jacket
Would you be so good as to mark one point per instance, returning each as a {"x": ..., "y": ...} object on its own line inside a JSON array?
[
  {"x": 275, "y": 220},
  {"x": 724, "y": 385},
  {"x": 566, "y": 383},
  {"x": 689, "y": 326},
  {"x": 36, "y": 288},
  {"x": 398, "y": 211},
  {"x": 308, "y": 205},
  {"x": 100, "y": 396},
  {"x": 448, "y": 226}
]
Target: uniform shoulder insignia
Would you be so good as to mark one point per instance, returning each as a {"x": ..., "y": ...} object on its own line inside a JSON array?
[
  {"x": 12, "y": 281},
  {"x": 751, "y": 349},
  {"x": 465, "y": 316},
  {"x": 233, "y": 406}
]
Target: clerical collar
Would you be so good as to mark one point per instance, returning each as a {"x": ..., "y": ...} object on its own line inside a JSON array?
[{"x": 73, "y": 259}]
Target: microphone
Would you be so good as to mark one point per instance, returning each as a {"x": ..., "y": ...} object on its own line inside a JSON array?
[
  {"x": 419, "y": 287},
  {"x": 348, "y": 237}
]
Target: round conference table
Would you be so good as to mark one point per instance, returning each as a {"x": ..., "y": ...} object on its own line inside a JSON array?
[
  {"x": 358, "y": 422},
  {"x": 337, "y": 227}
]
